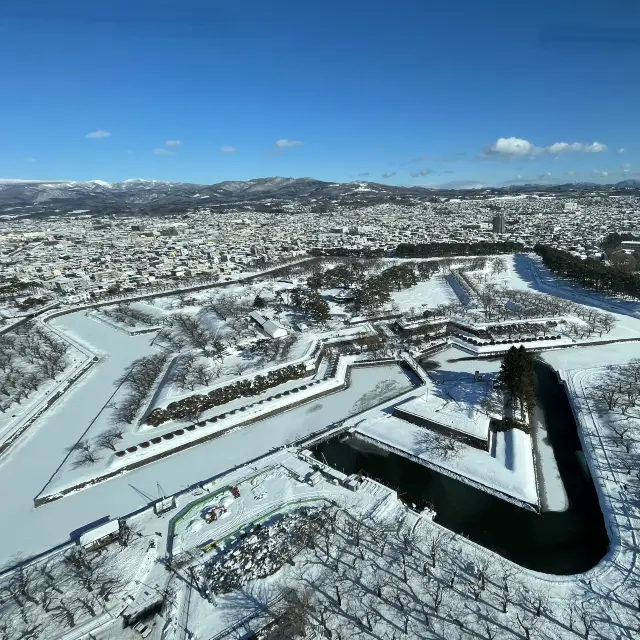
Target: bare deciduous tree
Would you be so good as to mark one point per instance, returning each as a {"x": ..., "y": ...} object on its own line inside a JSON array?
[
  {"x": 438, "y": 445},
  {"x": 109, "y": 438},
  {"x": 84, "y": 454},
  {"x": 437, "y": 542}
]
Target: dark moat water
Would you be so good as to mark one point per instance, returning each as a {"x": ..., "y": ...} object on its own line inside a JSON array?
[{"x": 561, "y": 543}]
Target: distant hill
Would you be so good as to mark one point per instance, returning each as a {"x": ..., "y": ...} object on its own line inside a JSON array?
[{"x": 154, "y": 197}]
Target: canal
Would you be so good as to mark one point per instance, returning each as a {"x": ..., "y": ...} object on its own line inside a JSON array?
[{"x": 562, "y": 543}]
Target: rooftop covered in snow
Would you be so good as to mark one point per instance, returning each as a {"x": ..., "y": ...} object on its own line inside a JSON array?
[{"x": 452, "y": 414}]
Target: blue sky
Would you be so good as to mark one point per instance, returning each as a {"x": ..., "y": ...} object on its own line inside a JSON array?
[{"x": 404, "y": 92}]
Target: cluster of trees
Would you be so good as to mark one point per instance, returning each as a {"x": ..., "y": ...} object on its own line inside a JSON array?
[
  {"x": 512, "y": 329},
  {"x": 381, "y": 580},
  {"x": 619, "y": 391},
  {"x": 500, "y": 304},
  {"x": 344, "y": 276},
  {"x": 186, "y": 329},
  {"x": 311, "y": 303},
  {"x": 285, "y": 538},
  {"x": 85, "y": 452},
  {"x": 592, "y": 274},
  {"x": 436, "y": 249},
  {"x": 29, "y": 356},
  {"x": 191, "y": 408},
  {"x": 32, "y": 301},
  {"x": 269, "y": 350},
  {"x": 348, "y": 252},
  {"x": 371, "y": 284},
  {"x": 54, "y": 595},
  {"x": 14, "y": 287},
  {"x": 139, "y": 380},
  {"x": 229, "y": 306},
  {"x": 190, "y": 371},
  {"x": 613, "y": 241},
  {"x": 517, "y": 378},
  {"x": 350, "y": 274},
  {"x": 130, "y": 316},
  {"x": 374, "y": 291}
]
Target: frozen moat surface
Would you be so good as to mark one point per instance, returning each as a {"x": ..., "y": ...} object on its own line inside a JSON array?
[{"x": 27, "y": 531}]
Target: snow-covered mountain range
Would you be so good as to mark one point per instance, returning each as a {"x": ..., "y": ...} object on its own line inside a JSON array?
[{"x": 155, "y": 197}]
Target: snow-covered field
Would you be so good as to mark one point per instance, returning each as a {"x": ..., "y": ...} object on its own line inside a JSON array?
[
  {"x": 429, "y": 294},
  {"x": 528, "y": 273},
  {"x": 507, "y": 469},
  {"x": 393, "y": 578},
  {"x": 46, "y": 526}
]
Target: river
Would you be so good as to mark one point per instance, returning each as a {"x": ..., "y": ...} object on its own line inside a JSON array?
[{"x": 565, "y": 542}]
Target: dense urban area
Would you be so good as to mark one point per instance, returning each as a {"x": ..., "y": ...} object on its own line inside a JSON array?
[{"x": 288, "y": 409}]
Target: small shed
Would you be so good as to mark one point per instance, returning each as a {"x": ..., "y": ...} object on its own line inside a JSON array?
[
  {"x": 270, "y": 327},
  {"x": 352, "y": 483},
  {"x": 100, "y": 536},
  {"x": 163, "y": 505}
]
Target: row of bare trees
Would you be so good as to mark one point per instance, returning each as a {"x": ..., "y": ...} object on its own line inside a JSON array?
[
  {"x": 619, "y": 392},
  {"x": 129, "y": 315},
  {"x": 49, "y": 596},
  {"x": 358, "y": 578},
  {"x": 190, "y": 371},
  {"x": 499, "y": 304},
  {"x": 30, "y": 355},
  {"x": 139, "y": 380}
]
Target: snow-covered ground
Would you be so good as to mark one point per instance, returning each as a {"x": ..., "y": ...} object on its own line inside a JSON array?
[
  {"x": 507, "y": 469},
  {"x": 454, "y": 404},
  {"x": 37, "y": 529},
  {"x": 528, "y": 273},
  {"x": 469, "y": 579},
  {"x": 429, "y": 294}
]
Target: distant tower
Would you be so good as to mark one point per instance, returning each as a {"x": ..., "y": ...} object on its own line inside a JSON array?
[{"x": 498, "y": 223}]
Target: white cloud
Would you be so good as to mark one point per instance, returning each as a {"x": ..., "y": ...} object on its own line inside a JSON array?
[
  {"x": 512, "y": 147},
  {"x": 596, "y": 147},
  {"x": 577, "y": 147},
  {"x": 227, "y": 149},
  {"x": 571, "y": 172},
  {"x": 626, "y": 165},
  {"x": 621, "y": 150},
  {"x": 519, "y": 148},
  {"x": 284, "y": 143},
  {"x": 601, "y": 174},
  {"x": 389, "y": 174},
  {"x": 100, "y": 133},
  {"x": 172, "y": 143},
  {"x": 162, "y": 152},
  {"x": 422, "y": 172},
  {"x": 563, "y": 147}
]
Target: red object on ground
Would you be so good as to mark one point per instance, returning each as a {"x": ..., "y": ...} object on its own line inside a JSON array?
[
  {"x": 236, "y": 492},
  {"x": 212, "y": 514}
]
